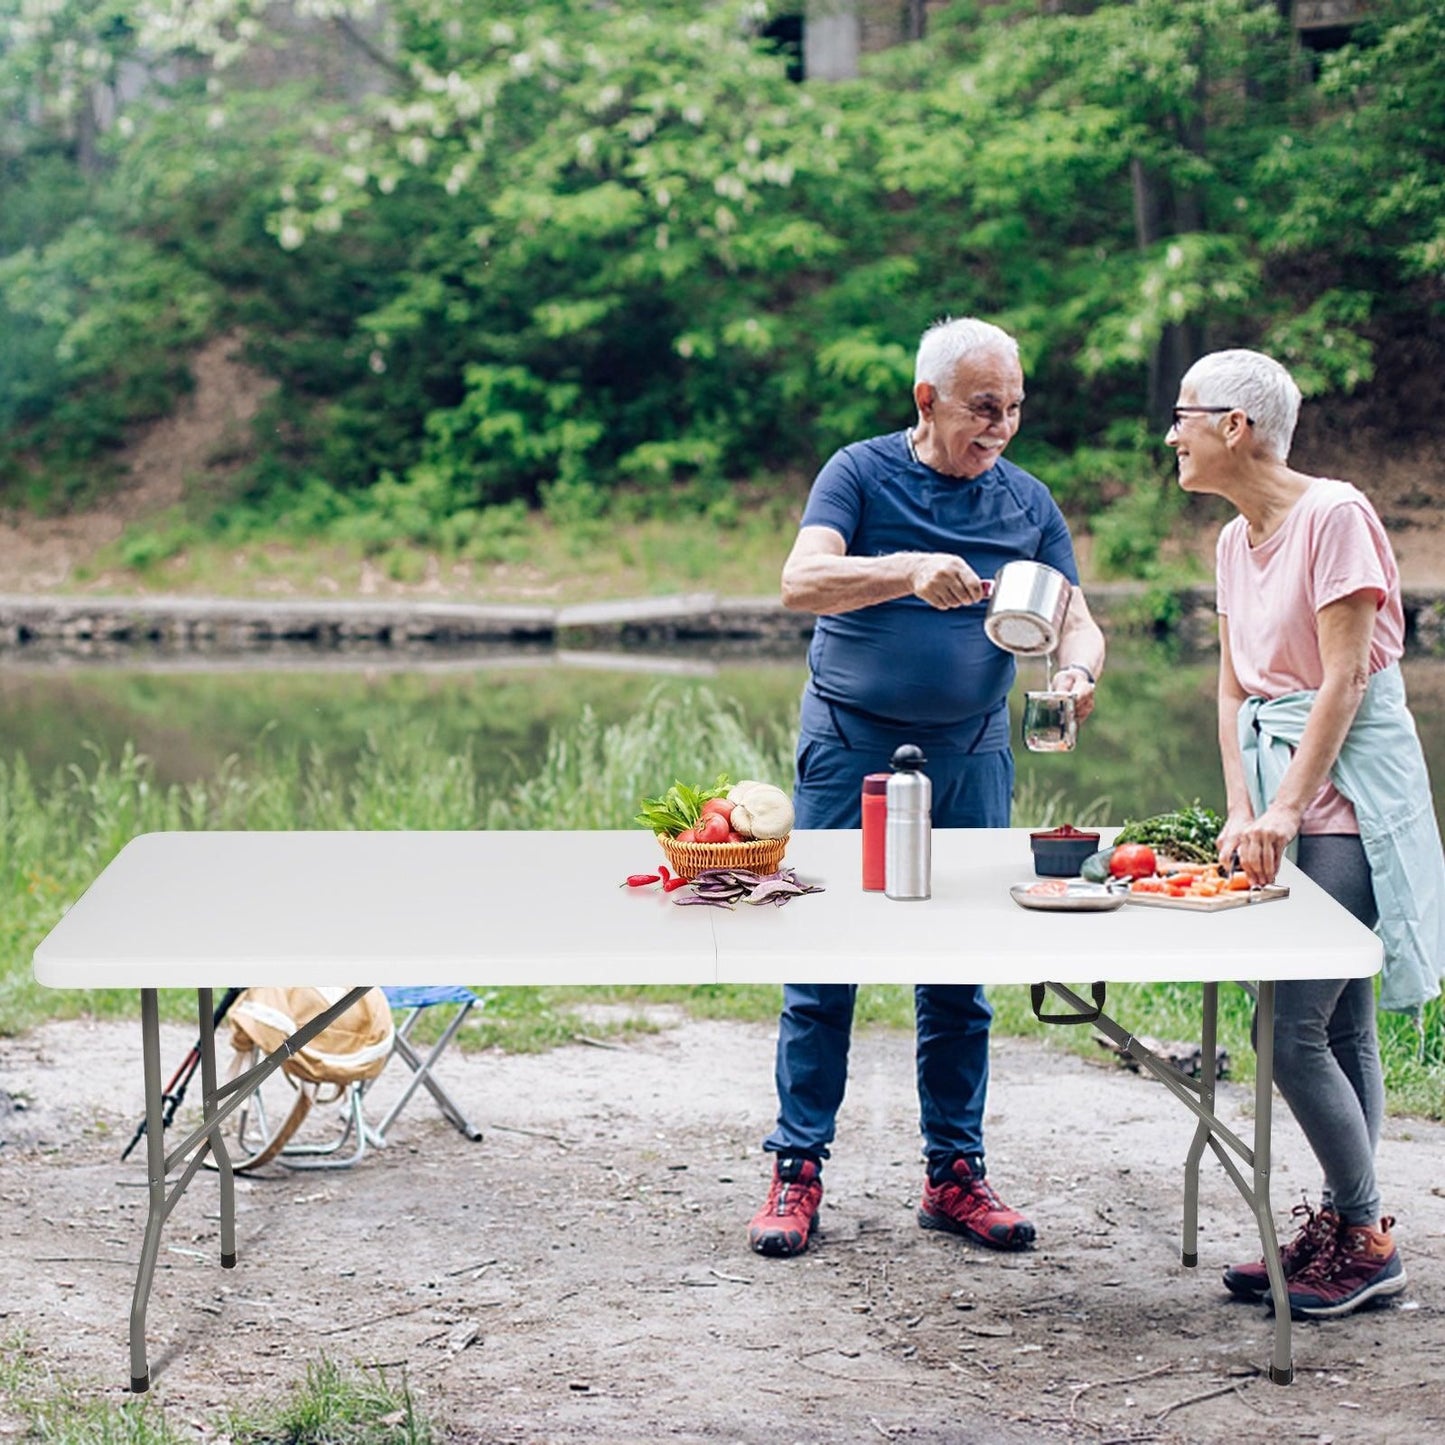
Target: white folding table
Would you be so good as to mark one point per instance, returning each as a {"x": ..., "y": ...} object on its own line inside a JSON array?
[{"x": 197, "y": 910}]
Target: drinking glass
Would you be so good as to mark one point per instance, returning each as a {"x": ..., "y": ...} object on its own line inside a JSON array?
[{"x": 1049, "y": 723}]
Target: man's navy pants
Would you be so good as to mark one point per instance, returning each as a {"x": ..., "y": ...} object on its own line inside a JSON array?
[{"x": 970, "y": 790}]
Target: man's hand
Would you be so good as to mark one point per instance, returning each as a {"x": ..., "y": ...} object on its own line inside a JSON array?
[
  {"x": 1077, "y": 684},
  {"x": 943, "y": 580}
]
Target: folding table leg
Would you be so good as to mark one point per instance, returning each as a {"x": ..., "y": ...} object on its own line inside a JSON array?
[
  {"x": 1208, "y": 1029},
  {"x": 216, "y": 1140},
  {"x": 221, "y": 1102},
  {"x": 140, "y": 1375},
  {"x": 1281, "y": 1367}
]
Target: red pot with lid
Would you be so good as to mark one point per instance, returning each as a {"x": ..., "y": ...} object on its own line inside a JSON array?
[{"x": 1060, "y": 852}]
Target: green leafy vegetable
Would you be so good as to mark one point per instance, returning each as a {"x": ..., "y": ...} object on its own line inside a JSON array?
[
  {"x": 1188, "y": 834},
  {"x": 678, "y": 808}
]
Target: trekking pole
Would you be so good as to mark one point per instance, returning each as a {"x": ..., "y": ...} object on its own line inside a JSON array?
[{"x": 175, "y": 1091}]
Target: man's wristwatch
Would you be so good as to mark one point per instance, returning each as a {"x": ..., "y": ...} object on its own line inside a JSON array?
[{"x": 1076, "y": 667}]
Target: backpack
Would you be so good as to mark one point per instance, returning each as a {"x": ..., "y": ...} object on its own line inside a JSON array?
[{"x": 352, "y": 1049}]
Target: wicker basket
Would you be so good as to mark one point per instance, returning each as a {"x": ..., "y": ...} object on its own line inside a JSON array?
[{"x": 687, "y": 860}]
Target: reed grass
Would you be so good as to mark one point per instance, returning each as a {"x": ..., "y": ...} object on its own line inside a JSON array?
[{"x": 58, "y": 832}]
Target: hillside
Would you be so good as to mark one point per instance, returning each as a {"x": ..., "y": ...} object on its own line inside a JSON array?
[{"x": 199, "y": 448}]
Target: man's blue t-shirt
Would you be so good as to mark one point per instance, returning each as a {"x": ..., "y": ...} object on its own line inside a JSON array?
[{"x": 903, "y": 663}]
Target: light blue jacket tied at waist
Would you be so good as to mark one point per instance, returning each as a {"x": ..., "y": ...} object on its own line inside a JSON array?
[{"x": 1381, "y": 771}]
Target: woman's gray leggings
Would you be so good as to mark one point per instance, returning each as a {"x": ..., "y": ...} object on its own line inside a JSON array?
[{"x": 1326, "y": 1052}]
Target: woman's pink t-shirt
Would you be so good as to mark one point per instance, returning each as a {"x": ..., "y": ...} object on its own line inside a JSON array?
[{"x": 1331, "y": 544}]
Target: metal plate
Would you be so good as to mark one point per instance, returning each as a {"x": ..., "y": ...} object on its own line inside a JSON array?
[{"x": 1077, "y": 896}]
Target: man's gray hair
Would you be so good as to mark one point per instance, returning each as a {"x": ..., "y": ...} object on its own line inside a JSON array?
[
  {"x": 1255, "y": 383},
  {"x": 950, "y": 341}
]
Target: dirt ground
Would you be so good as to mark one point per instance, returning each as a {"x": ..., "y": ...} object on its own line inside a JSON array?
[{"x": 582, "y": 1273}]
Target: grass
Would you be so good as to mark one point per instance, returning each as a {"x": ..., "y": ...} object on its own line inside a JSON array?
[
  {"x": 57, "y": 833},
  {"x": 538, "y": 562},
  {"x": 334, "y": 1405}
]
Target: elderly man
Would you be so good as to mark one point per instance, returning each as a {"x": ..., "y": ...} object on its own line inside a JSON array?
[{"x": 897, "y": 538}]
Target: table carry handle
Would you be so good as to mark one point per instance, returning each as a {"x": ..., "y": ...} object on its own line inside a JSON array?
[{"x": 1083, "y": 1016}]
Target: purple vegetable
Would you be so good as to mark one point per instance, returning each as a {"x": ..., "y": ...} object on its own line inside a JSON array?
[
  {"x": 774, "y": 889},
  {"x": 723, "y": 887}
]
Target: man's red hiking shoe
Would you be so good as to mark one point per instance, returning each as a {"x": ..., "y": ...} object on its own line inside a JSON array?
[
  {"x": 785, "y": 1223},
  {"x": 966, "y": 1203},
  {"x": 1251, "y": 1281}
]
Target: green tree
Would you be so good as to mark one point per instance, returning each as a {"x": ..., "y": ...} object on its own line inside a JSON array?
[
  {"x": 1360, "y": 209},
  {"x": 570, "y": 248}
]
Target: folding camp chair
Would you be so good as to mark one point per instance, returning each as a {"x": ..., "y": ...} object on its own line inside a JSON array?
[
  {"x": 259, "y": 1140},
  {"x": 408, "y": 1003},
  {"x": 334, "y": 1067}
]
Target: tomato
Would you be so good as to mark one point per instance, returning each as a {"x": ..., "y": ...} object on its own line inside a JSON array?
[
  {"x": 720, "y": 806},
  {"x": 688, "y": 835},
  {"x": 712, "y": 829},
  {"x": 1133, "y": 860}
]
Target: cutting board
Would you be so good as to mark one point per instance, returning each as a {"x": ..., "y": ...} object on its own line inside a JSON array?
[{"x": 1217, "y": 904}]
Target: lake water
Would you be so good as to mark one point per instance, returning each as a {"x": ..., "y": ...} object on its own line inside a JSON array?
[{"x": 1150, "y": 745}]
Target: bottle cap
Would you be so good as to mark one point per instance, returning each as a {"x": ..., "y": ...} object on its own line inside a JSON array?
[
  {"x": 908, "y": 758},
  {"x": 875, "y": 782}
]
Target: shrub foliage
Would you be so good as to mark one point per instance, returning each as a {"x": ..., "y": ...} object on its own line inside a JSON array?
[{"x": 543, "y": 251}]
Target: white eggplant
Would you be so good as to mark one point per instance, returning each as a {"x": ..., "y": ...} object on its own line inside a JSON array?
[{"x": 767, "y": 812}]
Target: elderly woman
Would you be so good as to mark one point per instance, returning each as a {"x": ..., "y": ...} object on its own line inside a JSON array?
[{"x": 1320, "y": 756}]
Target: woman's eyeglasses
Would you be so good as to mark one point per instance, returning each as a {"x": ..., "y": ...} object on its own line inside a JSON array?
[{"x": 1180, "y": 412}]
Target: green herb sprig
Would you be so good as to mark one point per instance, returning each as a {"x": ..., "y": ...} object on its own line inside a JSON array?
[
  {"x": 1187, "y": 834},
  {"x": 679, "y": 807}
]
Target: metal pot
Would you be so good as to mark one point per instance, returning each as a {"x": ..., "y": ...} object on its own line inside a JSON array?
[{"x": 1027, "y": 608}]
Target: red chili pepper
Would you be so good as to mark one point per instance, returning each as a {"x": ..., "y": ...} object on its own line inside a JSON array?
[
  {"x": 670, "y": 883},
  {"x": 662, "y": 870},
  {"x": 641, "y": 880}
]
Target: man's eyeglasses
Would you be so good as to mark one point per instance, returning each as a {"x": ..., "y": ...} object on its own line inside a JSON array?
[
  {"x": 993, "y": 412},
  {"x": 1180, "y": 412}
]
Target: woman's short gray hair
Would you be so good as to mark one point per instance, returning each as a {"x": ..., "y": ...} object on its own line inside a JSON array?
[
  {"x": 948, "y": 342},
  {"x": 1255, "y": 383}
]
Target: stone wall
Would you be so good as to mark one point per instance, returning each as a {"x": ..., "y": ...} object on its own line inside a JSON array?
[{"x": 43, "y": 627}]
